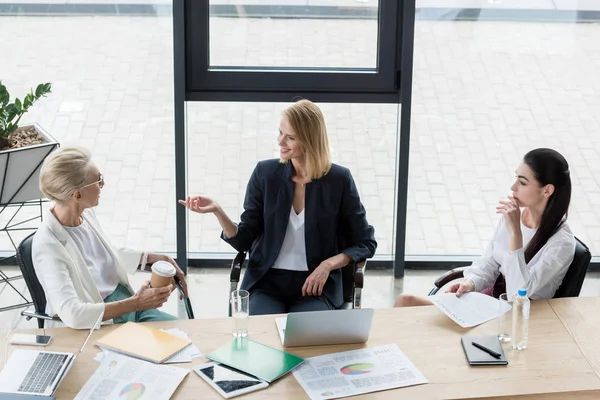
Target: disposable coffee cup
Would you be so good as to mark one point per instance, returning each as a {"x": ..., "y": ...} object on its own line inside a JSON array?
[{"x": 162, "y": 274}]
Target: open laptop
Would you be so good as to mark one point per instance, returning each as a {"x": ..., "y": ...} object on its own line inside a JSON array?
[
  {"x": 317, "y": 328},
  {"x": 36, "y": 372}
]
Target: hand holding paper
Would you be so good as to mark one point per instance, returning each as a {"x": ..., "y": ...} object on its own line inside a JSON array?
[{"x": 470, "y": 309}]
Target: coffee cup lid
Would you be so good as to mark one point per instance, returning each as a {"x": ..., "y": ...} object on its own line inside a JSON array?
[{"x": 163, "y": 268}]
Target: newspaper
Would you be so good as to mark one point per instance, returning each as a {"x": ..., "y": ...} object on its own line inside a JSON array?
[
  {"x": 470, "y": 309},
  {"x": 356, "y": 372},
  {"x": 122, "y": 377}
]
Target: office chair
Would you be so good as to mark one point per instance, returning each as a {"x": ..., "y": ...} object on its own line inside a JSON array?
[
  {"x": 33, "y": 284},
  {"x": 570, "y": 286},
  {"x": 352, "y": 281}
]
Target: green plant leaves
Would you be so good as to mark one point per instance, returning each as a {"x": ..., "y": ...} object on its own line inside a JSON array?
[
  {"x": 42, "y": 89},
  {"x": 11, "y": 113}
]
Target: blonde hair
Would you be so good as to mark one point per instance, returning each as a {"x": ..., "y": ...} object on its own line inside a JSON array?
[
  {"x": 64, "y": 171},
  {"x": 308, "y": 123}
]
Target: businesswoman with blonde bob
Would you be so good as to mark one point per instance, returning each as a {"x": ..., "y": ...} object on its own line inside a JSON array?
[
  {"x": 83, "y": 275},
  {"x": 303, "y": 220}
]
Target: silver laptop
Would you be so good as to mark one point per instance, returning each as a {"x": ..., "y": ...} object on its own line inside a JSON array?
[
  {"x": 317, "y": 328},
  {"x": 38, "y": 372}
]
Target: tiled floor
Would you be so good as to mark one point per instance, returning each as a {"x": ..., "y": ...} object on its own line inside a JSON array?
[{"x": 208, "y": 290}]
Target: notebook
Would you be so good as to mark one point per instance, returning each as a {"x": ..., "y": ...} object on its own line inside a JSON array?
[
  {"x": 255, "y": 359},
  {"x": 143, "y": 342},
  {"x": 477, "y": 356}
]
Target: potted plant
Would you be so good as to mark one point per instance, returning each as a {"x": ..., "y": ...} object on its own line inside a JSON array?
[{"x": 22, "y": 148}]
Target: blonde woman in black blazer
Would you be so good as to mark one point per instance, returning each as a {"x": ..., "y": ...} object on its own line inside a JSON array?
[{"x": 303, "y": 220}]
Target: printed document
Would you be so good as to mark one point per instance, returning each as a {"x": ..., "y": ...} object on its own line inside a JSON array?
[
  {"x": 122, "y": 377},
  {"x": 471, "y": 308},
  {"x": 355, "y": 372}
]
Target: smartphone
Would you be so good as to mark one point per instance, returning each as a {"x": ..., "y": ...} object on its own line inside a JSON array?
[
  {"x": 228, "y": 381},
  {"x": 30, "y": 339}
]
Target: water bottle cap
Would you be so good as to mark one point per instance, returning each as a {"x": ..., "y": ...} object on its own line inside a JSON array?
[{"x": 522, "y": 292}]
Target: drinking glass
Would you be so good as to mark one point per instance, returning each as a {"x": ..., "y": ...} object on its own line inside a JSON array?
[
  {"x": 240, "y": 309},
  {"x": 504, "y": 318}
]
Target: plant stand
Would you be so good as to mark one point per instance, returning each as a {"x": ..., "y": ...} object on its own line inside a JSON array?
[{"x": 15, "y": 225}]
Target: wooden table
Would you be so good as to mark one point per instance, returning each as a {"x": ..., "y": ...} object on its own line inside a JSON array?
[{"x": 562, "y": 361}]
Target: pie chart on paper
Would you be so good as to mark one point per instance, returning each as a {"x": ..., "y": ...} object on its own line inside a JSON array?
[
  {"x": 133, "y": 391},
  {"x": 357, "y": 369}
]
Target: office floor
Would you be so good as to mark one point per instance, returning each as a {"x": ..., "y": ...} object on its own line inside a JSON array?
[{"x": 208, "y": 291}]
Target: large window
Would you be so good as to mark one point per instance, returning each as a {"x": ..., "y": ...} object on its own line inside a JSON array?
[
  {"x": 241, "y": 64},
  {"x": 226, "y": 140},
  {"x": 111, "y": 70},
  {"x": 486, "y": 92},
  {"x": 278, "y": 51}
]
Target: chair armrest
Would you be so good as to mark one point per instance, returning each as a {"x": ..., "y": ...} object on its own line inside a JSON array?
[
  {"x": 236, "y": 267},
  {"x": 449, "y": 276},
  {"x": 359, "y": 274},
  {"x": 186, "y": 299},
  {"x": 35, "y": 314}
]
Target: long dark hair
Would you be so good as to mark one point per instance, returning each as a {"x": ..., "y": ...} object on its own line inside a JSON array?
[{"x": 549, "y": 167}]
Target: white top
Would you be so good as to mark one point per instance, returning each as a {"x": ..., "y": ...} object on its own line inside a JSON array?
[
  {"x": 292, "y": 255},
  {"x": 96, "y": 256},
  {"x": 541, "y": 277}
]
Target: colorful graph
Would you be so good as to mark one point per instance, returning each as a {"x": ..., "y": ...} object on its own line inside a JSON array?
[
  {"x": 133, "y": 391},
  {"x": 357, "y": 369}
]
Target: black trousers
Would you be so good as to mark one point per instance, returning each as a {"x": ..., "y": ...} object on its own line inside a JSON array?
[{"x": 280, "y": 292}]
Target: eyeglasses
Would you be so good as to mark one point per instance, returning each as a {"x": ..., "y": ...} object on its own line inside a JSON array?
[{"x": 100, "y": 182}]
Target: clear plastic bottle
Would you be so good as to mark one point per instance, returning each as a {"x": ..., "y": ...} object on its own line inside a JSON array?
[{"x": 520, "y": 320}]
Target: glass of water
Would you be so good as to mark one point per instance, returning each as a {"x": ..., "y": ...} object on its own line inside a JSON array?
[
  {"x": 504, "y": 318},
  {"x": 240, "y": 309}
]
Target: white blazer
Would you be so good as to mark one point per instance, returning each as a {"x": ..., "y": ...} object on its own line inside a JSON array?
[{"x": 70, "y": 290}]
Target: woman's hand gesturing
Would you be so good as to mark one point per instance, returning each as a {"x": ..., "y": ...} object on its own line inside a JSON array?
[{"x": 200, "y": 204}]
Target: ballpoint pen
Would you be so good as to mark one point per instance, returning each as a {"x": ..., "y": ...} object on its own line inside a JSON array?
[{"x": 489, "y": 351}]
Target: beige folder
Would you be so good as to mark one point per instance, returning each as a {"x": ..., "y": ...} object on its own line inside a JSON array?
[{"x": 140, "y": 341}]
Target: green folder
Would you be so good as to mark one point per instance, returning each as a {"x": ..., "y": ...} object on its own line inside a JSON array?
[{"x": 256, "y": 359}]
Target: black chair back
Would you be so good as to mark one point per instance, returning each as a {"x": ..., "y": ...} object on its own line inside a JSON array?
[
  {"x": 348, "y": 282},
  {"x": 33, "y": 284},
  {"x": 347, "y": 272},
  {"x": 573, "y": 280}
]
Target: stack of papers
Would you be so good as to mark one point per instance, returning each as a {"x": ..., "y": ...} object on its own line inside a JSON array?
[
  {"x": 184, "y": 356},
  {"x": 122, "y": 377},
  {"x": 356, "y": 372}
]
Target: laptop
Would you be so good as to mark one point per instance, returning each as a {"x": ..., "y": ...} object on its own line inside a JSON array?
[
  {"x": 318, "y": 328},
  {"x": 36, "y": 372}
]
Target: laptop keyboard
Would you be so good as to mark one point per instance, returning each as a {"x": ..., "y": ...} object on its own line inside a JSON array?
[{"x": 42, "y": 373}]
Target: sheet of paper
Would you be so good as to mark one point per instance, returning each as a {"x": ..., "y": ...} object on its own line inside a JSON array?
[
  {"x": 184, "y": 356},
  {"x": 122, "y": 377},
  {"x": 281, "y": 323},
  {"x": 471, "y": 308},
  {"x": 356, "y": 372}
]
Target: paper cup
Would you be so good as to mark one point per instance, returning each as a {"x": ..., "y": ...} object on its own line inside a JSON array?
[{"x": 162, "y": 274}]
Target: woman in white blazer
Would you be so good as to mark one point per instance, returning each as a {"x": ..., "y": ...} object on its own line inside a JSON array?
[{"x": 83, "y": 275}]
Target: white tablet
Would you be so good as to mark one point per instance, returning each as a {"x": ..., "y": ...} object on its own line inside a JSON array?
[{"x": 229, "y": 382}]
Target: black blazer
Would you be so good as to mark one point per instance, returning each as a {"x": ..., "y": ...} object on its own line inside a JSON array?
[{"x": 334, "y": 217}]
